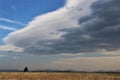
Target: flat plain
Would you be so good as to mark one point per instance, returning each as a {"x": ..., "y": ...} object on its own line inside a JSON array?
[{"x": 57, "y": 76}]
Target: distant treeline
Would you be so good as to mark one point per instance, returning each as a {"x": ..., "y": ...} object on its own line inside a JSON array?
[{"x": 69, "y": 71}]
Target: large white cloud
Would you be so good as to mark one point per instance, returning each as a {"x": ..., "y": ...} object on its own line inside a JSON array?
[
  {"x": 80, "y": 26},
  {"x": 46, "y": 28}
]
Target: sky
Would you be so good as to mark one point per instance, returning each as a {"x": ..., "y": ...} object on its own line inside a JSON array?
[{"x": 60, "y": 34}]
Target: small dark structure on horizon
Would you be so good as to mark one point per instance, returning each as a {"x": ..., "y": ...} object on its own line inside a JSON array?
[{"x": 26, "y": 69}]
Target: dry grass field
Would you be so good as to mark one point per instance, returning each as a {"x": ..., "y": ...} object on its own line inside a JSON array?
[{"x": 57, "y": 76}]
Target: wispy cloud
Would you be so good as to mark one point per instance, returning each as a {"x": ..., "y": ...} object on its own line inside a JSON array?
[
  {"x": 10, "y": 48},
  {"x": 13, "y": 7},
  {"x": 12, "y": 21},
  {"x": 87, "y": 63},
  {"x": 8, "y": 28},
  {"x": 1, "y": 55}
]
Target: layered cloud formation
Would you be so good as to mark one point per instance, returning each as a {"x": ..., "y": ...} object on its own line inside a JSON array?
[{"x": 79, "y": 26}]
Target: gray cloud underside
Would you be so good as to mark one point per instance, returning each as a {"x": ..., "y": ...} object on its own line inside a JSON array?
[{"x": 98, "y": 30}]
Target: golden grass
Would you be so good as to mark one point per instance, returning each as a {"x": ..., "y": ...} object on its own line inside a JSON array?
[{"x": 57, "y": 76}]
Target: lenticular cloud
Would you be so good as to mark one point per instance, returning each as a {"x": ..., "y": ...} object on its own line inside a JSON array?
[{"x": 79, "y": 26}]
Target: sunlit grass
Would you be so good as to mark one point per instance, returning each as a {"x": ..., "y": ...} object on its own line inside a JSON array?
[{"x": 57, "y": 76}]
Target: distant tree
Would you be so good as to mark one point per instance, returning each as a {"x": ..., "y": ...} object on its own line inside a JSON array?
[{"x": 26, "y": 69}]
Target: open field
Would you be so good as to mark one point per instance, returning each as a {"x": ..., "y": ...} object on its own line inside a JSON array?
[{"x": 57, "y": 76}]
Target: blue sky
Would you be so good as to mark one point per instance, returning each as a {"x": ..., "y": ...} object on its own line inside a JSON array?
[
  {"x": 24, "y": 11},
  {"x": 60, "y": 34}
]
